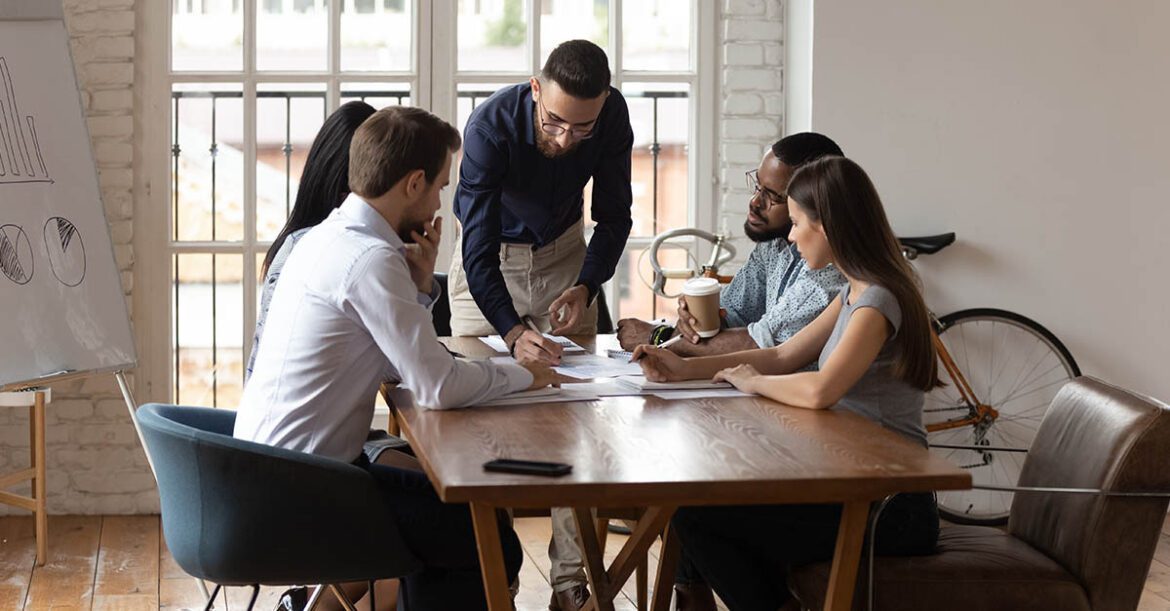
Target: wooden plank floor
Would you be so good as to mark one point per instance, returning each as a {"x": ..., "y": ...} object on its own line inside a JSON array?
[{"x": 121, "y": 562}]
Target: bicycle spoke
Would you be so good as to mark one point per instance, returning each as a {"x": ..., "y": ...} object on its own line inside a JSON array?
[
  {"x": 1061, "y": 381},
  {"x": 1012, "y": 413},
  {"x": 996, "y": 376},
  {"x": 1034, "y": 366},
  {"x": 1022, "y": 374}
]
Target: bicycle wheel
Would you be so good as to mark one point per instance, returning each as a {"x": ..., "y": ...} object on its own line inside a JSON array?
[{"x": 1015, "y": 367}]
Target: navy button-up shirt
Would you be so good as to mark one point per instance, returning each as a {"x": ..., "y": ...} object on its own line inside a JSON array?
[{"x": 509, "y": 192}]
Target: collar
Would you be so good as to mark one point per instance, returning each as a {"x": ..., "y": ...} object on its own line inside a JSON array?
[
  {"x": 357, "y": 209},
  {"x": 528, "y": 114}
]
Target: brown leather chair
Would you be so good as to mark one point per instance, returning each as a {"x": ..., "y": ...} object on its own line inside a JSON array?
[{"x": 1061, "y": 550}]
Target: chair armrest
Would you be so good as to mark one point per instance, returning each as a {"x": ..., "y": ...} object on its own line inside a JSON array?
[
  {"x": 955, "y": 446},
  {"x": 1057, "y": 490}
]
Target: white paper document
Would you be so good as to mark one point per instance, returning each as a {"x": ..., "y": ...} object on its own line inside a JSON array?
[
  {"x": 711, "y": 393},
  {"x": 586, "y": 366},
  {"x": 641, "y": 383},
  {"x": 495, "y": 342}
]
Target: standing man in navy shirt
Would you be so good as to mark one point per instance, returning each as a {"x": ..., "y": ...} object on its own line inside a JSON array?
[{"x": 528, "y": 152}]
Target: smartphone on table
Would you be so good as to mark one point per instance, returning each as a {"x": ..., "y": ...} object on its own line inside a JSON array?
[{"x": 528, "y": 467}]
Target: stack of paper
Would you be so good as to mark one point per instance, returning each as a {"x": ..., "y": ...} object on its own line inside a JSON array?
[
  {"x": 495, "y": 342},
  {"x": 641, "y": 383}
]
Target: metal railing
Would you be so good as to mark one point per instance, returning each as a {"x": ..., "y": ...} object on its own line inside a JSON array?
[{"x": 287, "y": 149}]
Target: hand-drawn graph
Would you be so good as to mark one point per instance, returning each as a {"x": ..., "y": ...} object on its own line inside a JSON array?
[
  {"x": 66, "y": 251},
  {"x": 15, "y": 254},
  {"x": 21, "y": 159}
]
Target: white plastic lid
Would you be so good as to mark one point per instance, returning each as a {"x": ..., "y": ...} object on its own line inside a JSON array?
[{"x": 697, "y": 287}]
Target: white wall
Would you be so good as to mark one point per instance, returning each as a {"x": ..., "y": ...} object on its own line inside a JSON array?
[{"x": 1038, "y": 131}]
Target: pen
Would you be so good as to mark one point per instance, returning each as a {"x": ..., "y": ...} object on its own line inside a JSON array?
[{"x": 666, "y": 344}]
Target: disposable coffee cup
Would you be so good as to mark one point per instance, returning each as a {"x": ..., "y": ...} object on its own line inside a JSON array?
[{"x": 702, "y": 297}]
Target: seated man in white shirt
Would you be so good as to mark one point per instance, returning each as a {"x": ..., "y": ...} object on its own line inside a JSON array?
[{"x": 352, "y": 310}]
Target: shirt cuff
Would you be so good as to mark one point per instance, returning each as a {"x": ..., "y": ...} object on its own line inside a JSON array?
[
  {"x": 761, "y": 335},
  {"x": 590, "y": 286},
  {"x": 429, "y": 301},
  {"x": 519, "y": 378}
]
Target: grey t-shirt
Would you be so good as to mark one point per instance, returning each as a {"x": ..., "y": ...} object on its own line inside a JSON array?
[{"x": 878, "y": 395}]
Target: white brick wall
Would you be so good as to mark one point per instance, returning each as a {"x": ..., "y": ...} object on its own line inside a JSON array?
[
  {"x": 751, "y": 101},
  {"x": 94, "y": 460}
]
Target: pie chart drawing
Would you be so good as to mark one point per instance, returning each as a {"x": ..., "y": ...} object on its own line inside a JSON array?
[
  {"x": 66, "y": 251},
  {"x": 15, "y": 254}
]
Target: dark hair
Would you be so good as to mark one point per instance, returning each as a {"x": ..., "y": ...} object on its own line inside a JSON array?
[
  {"x": 796, "y": 150},
  {"x": 579, "y": 67},
  {"x": 394, "y": 142},
  {"x": 838, "y": 194},
  {"x": 324, "y": 183}
]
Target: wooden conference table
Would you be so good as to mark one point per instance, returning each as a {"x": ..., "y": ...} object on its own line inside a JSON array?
[{"x": 655, "y": 454}]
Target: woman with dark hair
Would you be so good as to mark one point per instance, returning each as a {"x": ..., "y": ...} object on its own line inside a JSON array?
[
  {"x": 874, "y": 354},
  {"x": 324, "y": 185}
]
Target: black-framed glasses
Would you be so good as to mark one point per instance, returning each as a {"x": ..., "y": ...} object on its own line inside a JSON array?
[
  {"x": 771, "y": 197},
  {"x": 553, "y": 128}
]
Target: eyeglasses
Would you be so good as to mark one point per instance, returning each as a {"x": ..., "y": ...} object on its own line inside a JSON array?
[
  {"x": 771, "y": 197},
  {"x": 557, "y": 129}
]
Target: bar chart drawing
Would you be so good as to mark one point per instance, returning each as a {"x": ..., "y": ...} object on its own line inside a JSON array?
[{"x": 21, "y": 159}]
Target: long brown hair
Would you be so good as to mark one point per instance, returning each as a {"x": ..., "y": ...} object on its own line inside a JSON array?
[{"x": 837, "y": 193}]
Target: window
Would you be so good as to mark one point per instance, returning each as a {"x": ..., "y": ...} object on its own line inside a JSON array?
[{"x": 249, "y": 82}]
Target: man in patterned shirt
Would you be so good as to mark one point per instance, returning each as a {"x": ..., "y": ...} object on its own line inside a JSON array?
[{"x": 774, "y": 294}]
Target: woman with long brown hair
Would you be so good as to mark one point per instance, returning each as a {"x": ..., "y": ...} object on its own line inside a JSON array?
[{"x": 874, "y": 357}]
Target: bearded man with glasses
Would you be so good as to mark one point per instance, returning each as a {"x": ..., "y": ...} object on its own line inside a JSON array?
[
  {"x": 529, "y": 151},
  {"x": 521, "y": 262},
  {"x": 774, "y": 294}
]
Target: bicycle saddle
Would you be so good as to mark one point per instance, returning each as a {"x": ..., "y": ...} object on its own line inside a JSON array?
[{"x": 928, "y": 245}]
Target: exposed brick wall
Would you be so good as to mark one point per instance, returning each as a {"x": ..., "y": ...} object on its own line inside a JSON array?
[
  {"x": 751, "y": 101},
  {"x": 94, "y": 460}
]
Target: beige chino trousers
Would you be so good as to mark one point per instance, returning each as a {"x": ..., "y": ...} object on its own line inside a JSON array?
[{"x": 535, "y": 278}]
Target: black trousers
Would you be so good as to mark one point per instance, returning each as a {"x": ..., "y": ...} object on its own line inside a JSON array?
[
  {"x": 442, "y": 536},
  {"x": 745, "y": 552}
]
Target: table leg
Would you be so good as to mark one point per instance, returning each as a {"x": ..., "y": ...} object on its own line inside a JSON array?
[
  {"x": 591, "y": 548},
  {"x": 491, "y": 557},
  {"x": 667, "y": 562},
  {"x": 847, "y": 556},
  {"x": 38, "y": 449}
]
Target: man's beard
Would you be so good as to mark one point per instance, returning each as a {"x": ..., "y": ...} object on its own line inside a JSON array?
[
  {"x": 545, "y": 145},
  {"x": 766, "y": 234}
]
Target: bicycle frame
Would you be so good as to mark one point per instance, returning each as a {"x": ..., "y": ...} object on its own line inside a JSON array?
[{"x": 977, "y": 410}]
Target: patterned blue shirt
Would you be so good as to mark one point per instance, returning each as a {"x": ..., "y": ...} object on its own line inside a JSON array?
[{"x": 775, "y": 294}]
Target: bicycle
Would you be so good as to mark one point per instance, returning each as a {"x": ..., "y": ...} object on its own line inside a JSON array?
[{"x": 1000, "y": 370}]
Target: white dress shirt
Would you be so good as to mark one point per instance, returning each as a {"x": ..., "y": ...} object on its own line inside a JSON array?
[{"x": 346, "y": 316}]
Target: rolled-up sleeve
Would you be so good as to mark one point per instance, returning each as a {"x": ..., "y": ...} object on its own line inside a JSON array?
[
  {"x": 477, "y": 206},
  {"x": 612, "y": 199}
]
